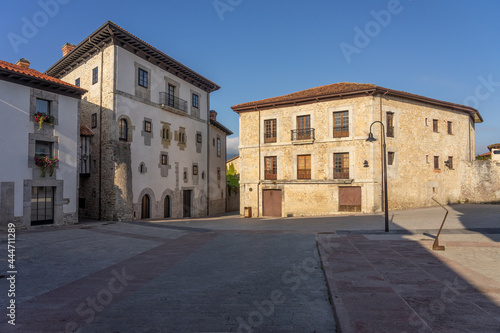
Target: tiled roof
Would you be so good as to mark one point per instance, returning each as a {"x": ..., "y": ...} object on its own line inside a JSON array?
[
  {"x": 345, "y": 90},
  {"x": 34, "y": 74},
  {"x": 233, "y": 159},
  {"x": 494, "y": 146},
  {"x": 312, "y": 92},
  {"x": 221, "y": 127},
  {"x": 85, "y": 131}
]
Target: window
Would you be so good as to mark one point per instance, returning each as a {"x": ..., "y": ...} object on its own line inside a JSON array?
[
  {"x": 198, "y": 137},
  {"x": 95, "y": 75},
  {"x": 93, "y": 120},
  {"x": 143, "y": 78},
  {"x": 218, "y": 174},
  {"x": 341, "y": 166},
  {"x": 340, "y": 124},
  {"x": 196, "y": 101},
  {"x": 123, "y": 130},
  {"x": 171, "y": 95},
  {"x": 270, "y": 130},
  {"x": 43, "y": 149},
  {"x": 271, "y": 167},
  {"x": 182, "y": 137},
  {"x": 436, "y": 162},
  {"x": 218, "y": 147},
  {"x": 390, "y": 124},
  {"x": 304, "y": 167},
  {"x": 303, "y": 127},
  {"x": 43, "y": 106},
  {"x": 195, "y": 169},
  {"x": 390, "y": 158},
  {"x": 164, "y": 159},
  {"x": 147, "y": 126},
  {"x": 77, "y": 82},
  {"x": 449, "y": 163},
  {"x": 435, "y": 125},
  {"x": 142, "y": 167},
  {"x": 450, "y": 127}
]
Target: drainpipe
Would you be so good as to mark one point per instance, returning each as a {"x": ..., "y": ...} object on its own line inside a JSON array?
[
  {"x": 258, "y": 184},
  {"x": 383, "y": 157},
  {"x": 208, "y": 154}
]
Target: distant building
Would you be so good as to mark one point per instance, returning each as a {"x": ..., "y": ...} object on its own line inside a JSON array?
[
  {"x": 149, "y": 157},
  {"x": 306, "y": 153},
  {"x": 40, "y": 122},
  {"x": 495, "y": 151}
]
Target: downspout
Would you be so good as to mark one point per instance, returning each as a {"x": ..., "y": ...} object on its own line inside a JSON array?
[
  {"x": 208, "y": 154},
  {"x": 382, "y": 156},
  {"x": 258, "y": 184}
]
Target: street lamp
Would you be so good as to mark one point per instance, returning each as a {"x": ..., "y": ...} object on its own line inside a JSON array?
[{"x": 386, "y": 201}]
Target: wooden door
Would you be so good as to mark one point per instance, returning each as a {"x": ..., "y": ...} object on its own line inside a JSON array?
[
  {"x": 349, "y": 199},
  {"x": 271, "y": 203},
  {"x": 187, "y": 203}
]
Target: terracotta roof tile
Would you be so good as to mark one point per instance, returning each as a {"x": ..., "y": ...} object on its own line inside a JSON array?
[
  {"x": 494, "y": 146},
  {"x": 85, "y": 131},
  {"x": 34, "y": 74}
]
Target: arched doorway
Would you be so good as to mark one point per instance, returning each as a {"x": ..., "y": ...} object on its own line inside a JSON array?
[
  {"x": 166, "y": 207},
  {"x": 146, "y": 207}
]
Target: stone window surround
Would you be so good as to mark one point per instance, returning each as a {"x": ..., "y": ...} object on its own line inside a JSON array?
[
  {"x": 395, "y": 121},
  {"x": 148, "y": 136},
  {"x": 33, "y": 138},
  {"x": 314, "y": 163},
  {"x": 164, "y": 168},
  {"x": 172, "y": 82},
  {"x": 279, "y": 168},
  {"x": 352, "y": 160},
  {"x": 195, "y": 111},
  {"x": 95, "y": 75},
  {"x": 142, "y": 168},
  {"x": 166, "y": 141},
  {"x": 182, "y": 138},
  {"x": 299, "y": 113},
  {"x": 263, "y": 126},
  {"x": 130, "y": 128},
  {"x": 48, "y": 96},
  {"x": 331, "y": 121},
  {"x": 140, "y": 91}
]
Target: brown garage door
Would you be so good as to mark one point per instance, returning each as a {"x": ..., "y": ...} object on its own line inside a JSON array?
[
  {"x": 271, "y": 202},
  {"x": 350, "y": 199}
]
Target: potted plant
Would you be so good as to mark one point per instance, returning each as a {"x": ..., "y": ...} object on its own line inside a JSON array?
[
  {"x": 45, "y": 163},
  {"x": 41, "y": 118}
]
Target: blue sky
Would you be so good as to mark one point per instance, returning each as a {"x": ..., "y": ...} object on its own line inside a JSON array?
[{"x": 255, "y": 49}]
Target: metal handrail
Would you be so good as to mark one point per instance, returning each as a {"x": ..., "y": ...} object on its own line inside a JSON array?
[{"x": 173, "y": 101}]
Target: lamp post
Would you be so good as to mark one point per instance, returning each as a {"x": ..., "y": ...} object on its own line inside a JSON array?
[{"x": 386, "y": 201}]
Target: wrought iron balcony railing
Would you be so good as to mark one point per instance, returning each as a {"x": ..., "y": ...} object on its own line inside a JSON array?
[
  {"x": 172, "y": 101},
  {"x": 341, "y": 131},
  {"x": 303, "y": 134}
]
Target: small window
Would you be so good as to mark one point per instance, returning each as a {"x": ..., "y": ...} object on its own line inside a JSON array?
[
  {"x": 185, "y": 176},
  {"x": 142, "y": 168},
  {"x": 94, "y": 120},
  {"x": 95, "y": 75},
  {"x": 143, "y": 78},
  {"x": 218, "y": 147},
  {"x": 450, "y": 127},
  {"x": 390, "y": 124},
  {"x": 182, "y": 137},
  {"x": 77, "y": 82},
  {"x": 270, "y": 130},
  {"x": 304, "y": 167},
  {"x": 426, "y": 121},
  {"x": 198, "y": 137},
  {"x": 195, "y": 169},
  {"x": 218, "y": 174},
  {"x": 43, "y": 106},
  {"x": 449, "y": 163},
  {"x": 271, "y": 167},
  {"x": 43, "y": 149},
  {"x": 436, "y": 162},
  {"x": 164, "y": 159},
  {"x": 390, "y": 158},
  {"x": 196, "y": 102},
  {"x": 123, "y": 130},
  {"x": 147, "y": 126},
  {"x": 435, "y": 125}
]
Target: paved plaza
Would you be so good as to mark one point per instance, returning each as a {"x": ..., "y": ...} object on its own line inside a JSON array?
[{"x": 228, "y": 274}]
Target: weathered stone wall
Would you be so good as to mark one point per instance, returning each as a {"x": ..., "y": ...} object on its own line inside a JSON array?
[
  {"x": 482, "y": 183},
  {"x": 412, "y": 179}
]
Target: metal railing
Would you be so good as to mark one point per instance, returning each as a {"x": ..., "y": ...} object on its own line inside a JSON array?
[
  {"x": 303, "y": 134},
  {"x": 341, "y": 131},
  {"x": 173, "y": 101}
]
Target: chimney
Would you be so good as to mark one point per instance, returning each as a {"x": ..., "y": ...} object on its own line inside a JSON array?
[
  {"x": 67, "y": 48},
  {"x": 213, "y": 115},
  {"x": 23, "y": 63}
]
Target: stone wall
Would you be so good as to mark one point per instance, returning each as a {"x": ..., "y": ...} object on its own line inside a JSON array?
[{"x": 482, "y": 183}]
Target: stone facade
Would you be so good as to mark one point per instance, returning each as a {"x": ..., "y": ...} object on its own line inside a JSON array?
[
  {"x": 423, "y": 131},
  {"x": 29, "y": 197},
  {"x": 149, "y": 152}
]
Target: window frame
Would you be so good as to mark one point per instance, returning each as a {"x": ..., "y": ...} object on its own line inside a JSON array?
[
  {"x": 219, "y": 147},
  {"x": 343, "y": 124},
  {"x": 435, "y": 125},
  {"x": 195, "y": 169},
  {"x": 95, "y": 75},
  {"x": 304, "y": 127},
  {"x": 195, "y": 100},
  {"x": 390, "y": 157},
  {"x": 450, "y": 127},
  {"x": 147, "y": 126},
  {"x": 390, "y": 124},
  {"x": 303, "y": 162},
  {"x": 77, "y": 82},
  {"x": 270, "y": 167},
  {"x": 123, "y": 130},
  {"x": 164, "y": 159},
  {"x": 47, "y": 112},
  {"x": 93, "y": 120},
  {"x": 270, "y": 133},
  {"x": 50, "y": 146},
  {"x": 450, "y": 162},
  {"x": 341, "y": 168},
  {"x": 436, "y": 163},
  {"x": 143, "y": 78}
]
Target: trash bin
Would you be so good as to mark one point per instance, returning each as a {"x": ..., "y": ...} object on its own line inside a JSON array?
[{"x": 248, "y": 211}]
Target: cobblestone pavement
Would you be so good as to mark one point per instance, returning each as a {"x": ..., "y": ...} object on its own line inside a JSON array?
[{"x": 228, "y": 274}]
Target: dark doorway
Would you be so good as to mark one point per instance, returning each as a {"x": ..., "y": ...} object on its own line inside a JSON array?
[
  {"x": 186, "y": 203},
  {"x": 166, "y": 207},
  {"x": 271, "y": 203},
  {"x": 42, "y": 205},
  {"x": 350, "y": 199},
  {"x": 146, "y": 207}
]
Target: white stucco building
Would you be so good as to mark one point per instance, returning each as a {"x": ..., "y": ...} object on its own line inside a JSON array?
[
  {"x": 149, "y": 157},
  {"x": 27, "y": 196}
]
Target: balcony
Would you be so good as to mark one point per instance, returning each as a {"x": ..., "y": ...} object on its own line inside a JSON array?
[
  {"x": 303, "y": 135},
  {"x": 172, "y": 101}
]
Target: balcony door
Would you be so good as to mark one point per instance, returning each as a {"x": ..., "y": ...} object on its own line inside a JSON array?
[
  {"x": 304, "y": 127},
  {"x": 42, "y": 205}
]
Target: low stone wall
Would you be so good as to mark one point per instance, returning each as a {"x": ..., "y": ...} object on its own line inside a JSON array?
[{"x": 482, "y": 183}]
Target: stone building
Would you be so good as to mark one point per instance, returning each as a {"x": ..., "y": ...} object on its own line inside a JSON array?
[
  {"x": 306, "y": 153},
  {"x": 149, "y": 156},
  {"x": 40, "y": 121}
]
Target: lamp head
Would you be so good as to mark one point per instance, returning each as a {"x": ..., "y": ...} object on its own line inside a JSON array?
[{"x": 371, "y": 138}]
